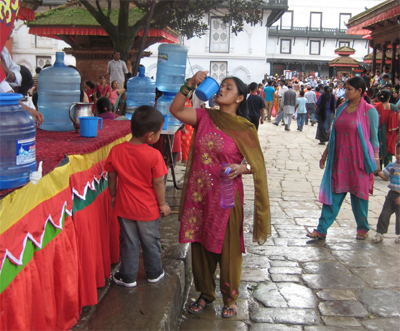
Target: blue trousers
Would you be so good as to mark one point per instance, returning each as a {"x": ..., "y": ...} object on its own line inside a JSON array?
[
  {"x": 300, "y": 120},
  {"x": 329, "y": 213},
  {"x": 148, "y": 234}
]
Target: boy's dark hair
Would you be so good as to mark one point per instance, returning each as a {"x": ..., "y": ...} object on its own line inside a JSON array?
[
  {"x": 38, "y": 70},
  {"x": 317, "y": 89},
  {"x": 253, "y": 86},
  {"x": 103, "y": 105},
  {"x": 27, "y": 81},
  {"x": 302, "y": 93},
  {"x": 146, "y": 119},
  {"x": 398, "y": 145}
]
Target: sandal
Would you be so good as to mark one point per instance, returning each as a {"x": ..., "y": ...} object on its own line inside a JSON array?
[
  {"x": 362, "y": 235},
  {"x": 226, "y": 310},
  {"x": 199, "y": 306},
  {"x": 316, "y": 235}
]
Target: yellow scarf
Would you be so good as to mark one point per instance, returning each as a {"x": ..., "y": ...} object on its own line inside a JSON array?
[{"x": 246, "y": 139}]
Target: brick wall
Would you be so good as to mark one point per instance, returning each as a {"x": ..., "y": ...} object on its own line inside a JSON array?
[{"x": 92, "y": 68}]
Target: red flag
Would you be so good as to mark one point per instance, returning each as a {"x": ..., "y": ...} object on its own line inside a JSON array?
[{"x": 8, "y": 13}]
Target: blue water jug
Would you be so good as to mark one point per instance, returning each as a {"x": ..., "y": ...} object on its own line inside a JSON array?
[
  {"x": 17, "y": 142},
  {"x": 141, "y": 91},
  {"x": 171, "y": 67},
  {"x": 226, "y": 185},
  {"x": 163, "y": 105},
  {"x": 59, "y": 88}
]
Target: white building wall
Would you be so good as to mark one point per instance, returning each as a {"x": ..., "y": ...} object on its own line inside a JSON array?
[
  {"x": 330, "y": 19},
  {"x": 26, "y": 49}
]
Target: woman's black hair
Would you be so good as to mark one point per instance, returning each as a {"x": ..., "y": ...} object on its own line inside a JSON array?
[
  {"x": 90, "y": 84},
  {"x": 112, "y": 83},
  {"x": 317, "y": 88},
  {"x": 242, "y": 109},
  {"x": 339, "y": 100},
  {"x": 27, "y": 81},
  {"x": 357, "y": 83},
  {"x": 302, "y": 93},
  {"x": 103, "y": 105},
  {"x": 146, "y": 119},
  {"x": 384, "y": 95},
  {"x": 327, "y": 89},
  {"x": 102, "y": 76}
]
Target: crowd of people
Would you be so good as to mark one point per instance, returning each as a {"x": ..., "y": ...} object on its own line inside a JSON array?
[{"x": 221, "y": 141}]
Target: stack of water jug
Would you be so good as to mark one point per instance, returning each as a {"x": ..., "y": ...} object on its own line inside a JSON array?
[{"x": 171, "y": 68}]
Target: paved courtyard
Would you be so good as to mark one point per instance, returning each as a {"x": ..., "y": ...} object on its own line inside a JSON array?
[{"x": 294, "y": 283}]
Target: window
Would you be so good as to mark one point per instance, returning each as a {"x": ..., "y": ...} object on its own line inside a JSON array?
[
  {"x": 42, "y": 60},
  {"x": 286, "y": 46},
  {"x": 219, "y": 36},
  {"x": 218, "y": 70},
  {"x": 343, "y": 19},
  {"x": 344, "y": 43},
  {"x": 43, "y": 42},
  {"x": 287, "y": 21},
  {"x": 315, "y": 21},
  {"x": 315, "y": 47}
]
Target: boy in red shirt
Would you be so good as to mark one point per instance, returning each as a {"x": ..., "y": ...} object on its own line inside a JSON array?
[{"x": 140, "y": 196}]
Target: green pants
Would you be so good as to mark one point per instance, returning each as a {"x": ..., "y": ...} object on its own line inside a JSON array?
[
  {"x": 329, "y": 213},
  {"x": 204, "y": 262}
]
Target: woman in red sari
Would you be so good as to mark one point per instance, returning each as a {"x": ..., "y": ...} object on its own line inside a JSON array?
[
  {"x": 389, "y": 117},
  {"x": 216, "y": 233}
]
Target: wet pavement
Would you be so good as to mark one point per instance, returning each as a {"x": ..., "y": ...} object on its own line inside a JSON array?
[{"x": 290, "y": 282}]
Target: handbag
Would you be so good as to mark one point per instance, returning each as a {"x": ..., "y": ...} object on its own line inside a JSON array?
[{"x": 273, "y": 111}]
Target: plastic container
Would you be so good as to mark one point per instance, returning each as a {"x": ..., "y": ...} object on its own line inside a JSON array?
[
  {"x": 171, "y": 67},
  {"x": 163, "y": 105},
  {"x": 226, "y": 185},
  {"x": 17, "y": 142},
  {"x": 141, "y": 91},
  {"x": 207, "y": 89},
  {"x": 165, "y": 126},
  {"x": 88, "y": 126},
  {"x": 59, "y": 88}
]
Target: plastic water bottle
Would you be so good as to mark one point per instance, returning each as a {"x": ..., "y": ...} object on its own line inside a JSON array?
[
  {"x": 163, "y": 105},
  {"x": 59, "y": 88},
  {"x": 141, "y": 91},
  {"x": 171, "y": 67},
  {"x": 17, "y": 142},
  {"x": 226, "y": 186}
]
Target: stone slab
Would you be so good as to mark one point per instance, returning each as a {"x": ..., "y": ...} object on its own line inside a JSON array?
[
  {"x": 204, "y": 324},
  {"x": 382, "y": 324},
  {"x": 341, "y": 321},
  {"x": 384, "y": 277},
  {"x": 284, "y": 316},
  {"x": 335, "y": 280},
  {"x": 382, "y": 303},
  {"x": 331, "y": 295},
  {"x": 285, "y": 278},
  {"x": 323, "y": 268},
  {"x": 297, "y": 296},
  {"x": 269, "y": 295},
  {"x": 284, "y": 264},
  {"x": 274, "y": 327},
  {"x": 255, "y": 275},
  {"x": 342, "y": 308},
  {"x": 285, "y": 270},
  {"x": 330, "y": 328}
]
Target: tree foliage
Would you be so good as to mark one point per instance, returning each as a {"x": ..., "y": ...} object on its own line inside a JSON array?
[{"x": 183, "y": 16}]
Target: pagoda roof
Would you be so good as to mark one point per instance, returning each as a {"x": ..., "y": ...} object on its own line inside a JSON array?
[
  {"x": 77, "y": 15},
  {"x": 344, "y": 61},
  {"x": 344, "y": 50}
]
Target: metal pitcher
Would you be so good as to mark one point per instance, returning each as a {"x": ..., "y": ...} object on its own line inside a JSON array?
[{"x": 77, "y": 110}]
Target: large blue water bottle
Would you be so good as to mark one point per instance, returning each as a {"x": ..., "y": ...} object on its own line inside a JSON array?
[
  {"x": 163, "y": 105},
  {"x": 226, "y": 186},
  {"x": 171, "y": 67},
  {"x": 17, "y": 142},
  {"x": 59, "y": 88},
  {"x": 141, "y": 91}
]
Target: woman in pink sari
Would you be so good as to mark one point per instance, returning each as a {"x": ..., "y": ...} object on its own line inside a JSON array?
[{"x": 215, "y": 233}]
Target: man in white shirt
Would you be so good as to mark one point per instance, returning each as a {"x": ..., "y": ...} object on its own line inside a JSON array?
[
  {"x": 282, "y": 90},
  {"x": 117, "y": 70},
  {"x": 10, "y": 68},
  {"x": 310, "y": 105}
]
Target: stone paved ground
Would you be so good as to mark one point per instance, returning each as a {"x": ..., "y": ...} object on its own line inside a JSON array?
[{"x": 293, "y": 283}]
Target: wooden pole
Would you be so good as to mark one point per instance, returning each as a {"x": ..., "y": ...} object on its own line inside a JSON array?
[
  {"x": 393, "y": 64},
  {"x": 374, "y": 61},
  {"x": 384, "y": 48}
]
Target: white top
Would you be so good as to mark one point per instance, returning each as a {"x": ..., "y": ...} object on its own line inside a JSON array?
[
  {"x": 5, "y": 87},
  {"x": 12, "y": 66}
]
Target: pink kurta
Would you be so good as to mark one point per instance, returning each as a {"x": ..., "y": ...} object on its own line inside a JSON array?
[
  {"x": 203, "y": 220},
  {"x": 346, "y": 173}
]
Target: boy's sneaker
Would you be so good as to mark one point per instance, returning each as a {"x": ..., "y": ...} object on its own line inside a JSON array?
[
  {"x": 118, "y": 280},
  {"x": 155, "y": 280},
  {"x": 397, "y": 240},
  {"x": 378, "y": 238}
]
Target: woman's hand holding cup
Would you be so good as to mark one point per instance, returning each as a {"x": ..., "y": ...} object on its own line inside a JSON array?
[{"x": 198, "y": 78}]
